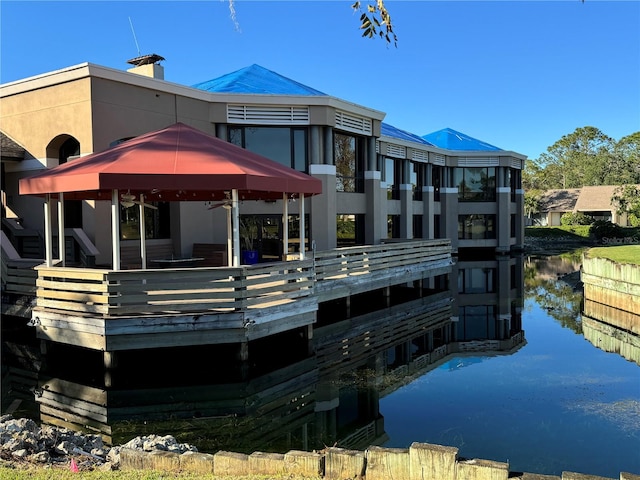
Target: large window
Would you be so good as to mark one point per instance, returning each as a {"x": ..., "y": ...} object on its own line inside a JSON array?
[
  {"x": 477, "y": 280},
  {"x": 393, "y": 226},
  {"x": 476, "y": 226},
  {"x": 476, "y": 184},
  {"x": 350, "y": 230},
  {"x": 285, "y": 145},
  {"x": 350, "y": 163},
  {"x": 436, "y": 174},
  {"x": 418, "y": 179},
  {"x": 392, "y": 177},
  {"x": 156, "y": 222},
  {"x": 417, "y": 226},
  {"x": 515, "y": 182},
  {"x": 477, "y": 323}
]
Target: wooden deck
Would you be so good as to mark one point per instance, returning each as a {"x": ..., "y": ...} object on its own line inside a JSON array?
[{"x": 130, "y": 309}]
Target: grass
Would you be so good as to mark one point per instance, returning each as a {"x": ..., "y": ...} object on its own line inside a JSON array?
[
  {"x": 619, "y": 254},
  {"x": 577, "y": 232},
  {"x": 42, "y": 473}
]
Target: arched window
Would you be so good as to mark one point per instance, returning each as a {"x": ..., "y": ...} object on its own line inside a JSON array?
[{"x": 64, "y": 148}]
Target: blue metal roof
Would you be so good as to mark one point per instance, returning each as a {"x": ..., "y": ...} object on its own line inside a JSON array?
[
  {"x": 453, "y": 140},
  {"x": 391, "y": 131},
  {"x": 257, "y": 79}
]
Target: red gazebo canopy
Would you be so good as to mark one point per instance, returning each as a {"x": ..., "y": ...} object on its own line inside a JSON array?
[{"x": 177, "y": 163}]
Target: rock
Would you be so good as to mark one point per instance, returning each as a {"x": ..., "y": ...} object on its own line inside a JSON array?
[
  {"x": 22, "y": 453},
  {"x": 41, "y": 457},
  {"x": 24, "y": 439}
]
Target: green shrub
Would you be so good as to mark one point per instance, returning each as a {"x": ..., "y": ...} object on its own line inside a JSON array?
[
  {"x": 576, "y": 218},
  {"x": 602, "y": 228}
]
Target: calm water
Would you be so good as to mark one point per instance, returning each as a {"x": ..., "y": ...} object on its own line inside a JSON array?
[
  {"x": 557, "y": 404},
  {"x": 553, "y": 403}
]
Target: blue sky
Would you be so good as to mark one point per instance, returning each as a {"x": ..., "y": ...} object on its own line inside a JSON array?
[{"x": 515, "y": 74}]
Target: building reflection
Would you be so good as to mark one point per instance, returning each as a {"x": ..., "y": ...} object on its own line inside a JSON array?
[{"x": 290, "y": 396}]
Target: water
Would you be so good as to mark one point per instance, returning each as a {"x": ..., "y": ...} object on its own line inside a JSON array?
[
  {"x": 557, "y": 404},
  {"x": 548, "y": 403}
]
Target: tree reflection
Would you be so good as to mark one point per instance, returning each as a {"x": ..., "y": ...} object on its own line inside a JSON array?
[{"x": 557, "y": 295}]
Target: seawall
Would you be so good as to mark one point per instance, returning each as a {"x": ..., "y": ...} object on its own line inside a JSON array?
[{"x": 420, "y": 461}]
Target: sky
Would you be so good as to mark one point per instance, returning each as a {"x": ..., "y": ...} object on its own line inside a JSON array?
[{"x": 516, "y": 74}]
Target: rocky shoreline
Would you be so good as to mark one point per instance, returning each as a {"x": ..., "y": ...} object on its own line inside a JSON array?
[{"x": 24, "y": 443}]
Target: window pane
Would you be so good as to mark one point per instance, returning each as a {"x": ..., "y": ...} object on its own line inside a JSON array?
[
  {"x": 273, "y": 143},
  {"x": 345, "y": 157},
  {"x": 300, "y": 150}
]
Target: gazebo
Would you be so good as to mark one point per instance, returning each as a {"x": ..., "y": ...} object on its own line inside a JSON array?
[{"x": 177, "y": 163}]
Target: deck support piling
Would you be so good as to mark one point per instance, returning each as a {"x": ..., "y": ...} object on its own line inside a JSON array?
[
  {"x": 243, "y": 352},
  {"x": 110, "y": 359}
]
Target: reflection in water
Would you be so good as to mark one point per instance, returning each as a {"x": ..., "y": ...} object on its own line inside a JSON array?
[
  {"x": 552, "y": 283},
  {"x": 451, "y": 367}
]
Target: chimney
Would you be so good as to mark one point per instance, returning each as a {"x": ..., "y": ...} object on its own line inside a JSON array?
[{"x": 148, "y": 66}]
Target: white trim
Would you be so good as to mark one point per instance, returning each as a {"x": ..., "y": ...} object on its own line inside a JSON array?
[
  {"x": 478, "y": 162},
  {"x": 268, "y": 115},
  {"x": 516, "y": 163},
  {"x": 372, "y": 175},
  {"x": 322, "y": 169},
  {"x": 405, "y": 187},
  {"x": 428, "y": 189},
  {"x": 396, "y": 151},
  {"x": 503, "y": 189},
  {"x": 438, "y": 159},
  {"x": 419, "y": 155},
  {"x": 448, "y": 189},
  {"x": 353, "y": 123}
]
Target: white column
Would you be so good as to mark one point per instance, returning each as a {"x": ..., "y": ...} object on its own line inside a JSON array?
[
  {"x": 302, "y": 225},
  {"x": 143, "y": 229},
  {"x": 236, "y": 230},
  {"x": 229, "y": 232},
  {"x": 61, "y": 242},
  {"x": 285, "y": 227},
  {"x": 115, "y": 229},
  {"x": 48, "y": 255}
]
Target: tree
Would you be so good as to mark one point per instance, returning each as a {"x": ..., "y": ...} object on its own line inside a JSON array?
[
  {"x": 580, "y": 158},
  {"x": 375, "y": 20},
  {"x": 627, "y": 200},
  {"x": 532, "y": 202},
  {"x": 627, "y": 159}
]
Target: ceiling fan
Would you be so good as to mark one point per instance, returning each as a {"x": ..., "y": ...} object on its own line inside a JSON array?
[
  {"x": 129, "y": 200},
  {"x": 226, "y": 203}
]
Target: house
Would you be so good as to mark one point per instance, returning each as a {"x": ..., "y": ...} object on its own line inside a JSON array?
[
  {"x": 553, "y": 204},
  {"x": 594, "y": 201}
]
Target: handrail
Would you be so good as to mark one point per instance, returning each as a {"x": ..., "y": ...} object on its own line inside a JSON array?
[
  {"x": 367, "y": 259},
  {"x": 140, "y": 292},
  {"x": 228, "y": 289}
]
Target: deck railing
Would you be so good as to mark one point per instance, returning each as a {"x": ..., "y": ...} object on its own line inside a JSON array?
[
  {"x": 107, "y": 292},
  {"x": 369, "y": 259},
  {"x": 140, "y": 292}
]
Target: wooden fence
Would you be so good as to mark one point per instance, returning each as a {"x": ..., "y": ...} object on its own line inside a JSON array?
[{"x": 140, "y": 292}]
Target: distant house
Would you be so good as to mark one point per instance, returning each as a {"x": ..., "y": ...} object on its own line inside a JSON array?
[
  {"x": 553, "y": 204},
  {"x": 594, "y": 201}
]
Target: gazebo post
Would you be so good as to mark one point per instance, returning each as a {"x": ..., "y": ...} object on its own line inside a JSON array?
[
  {"x": 61, "y": 242},
  {"x": 48, "y": 234},
  {"x": 115, "y": 229},
  {"x": 229, "y": 233},
  {"x": 143, "y": 229},
  {"x": 236, "y": 230},
  {"x": 301, "y": 225},
  {"x": 285, "y": 227}
]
